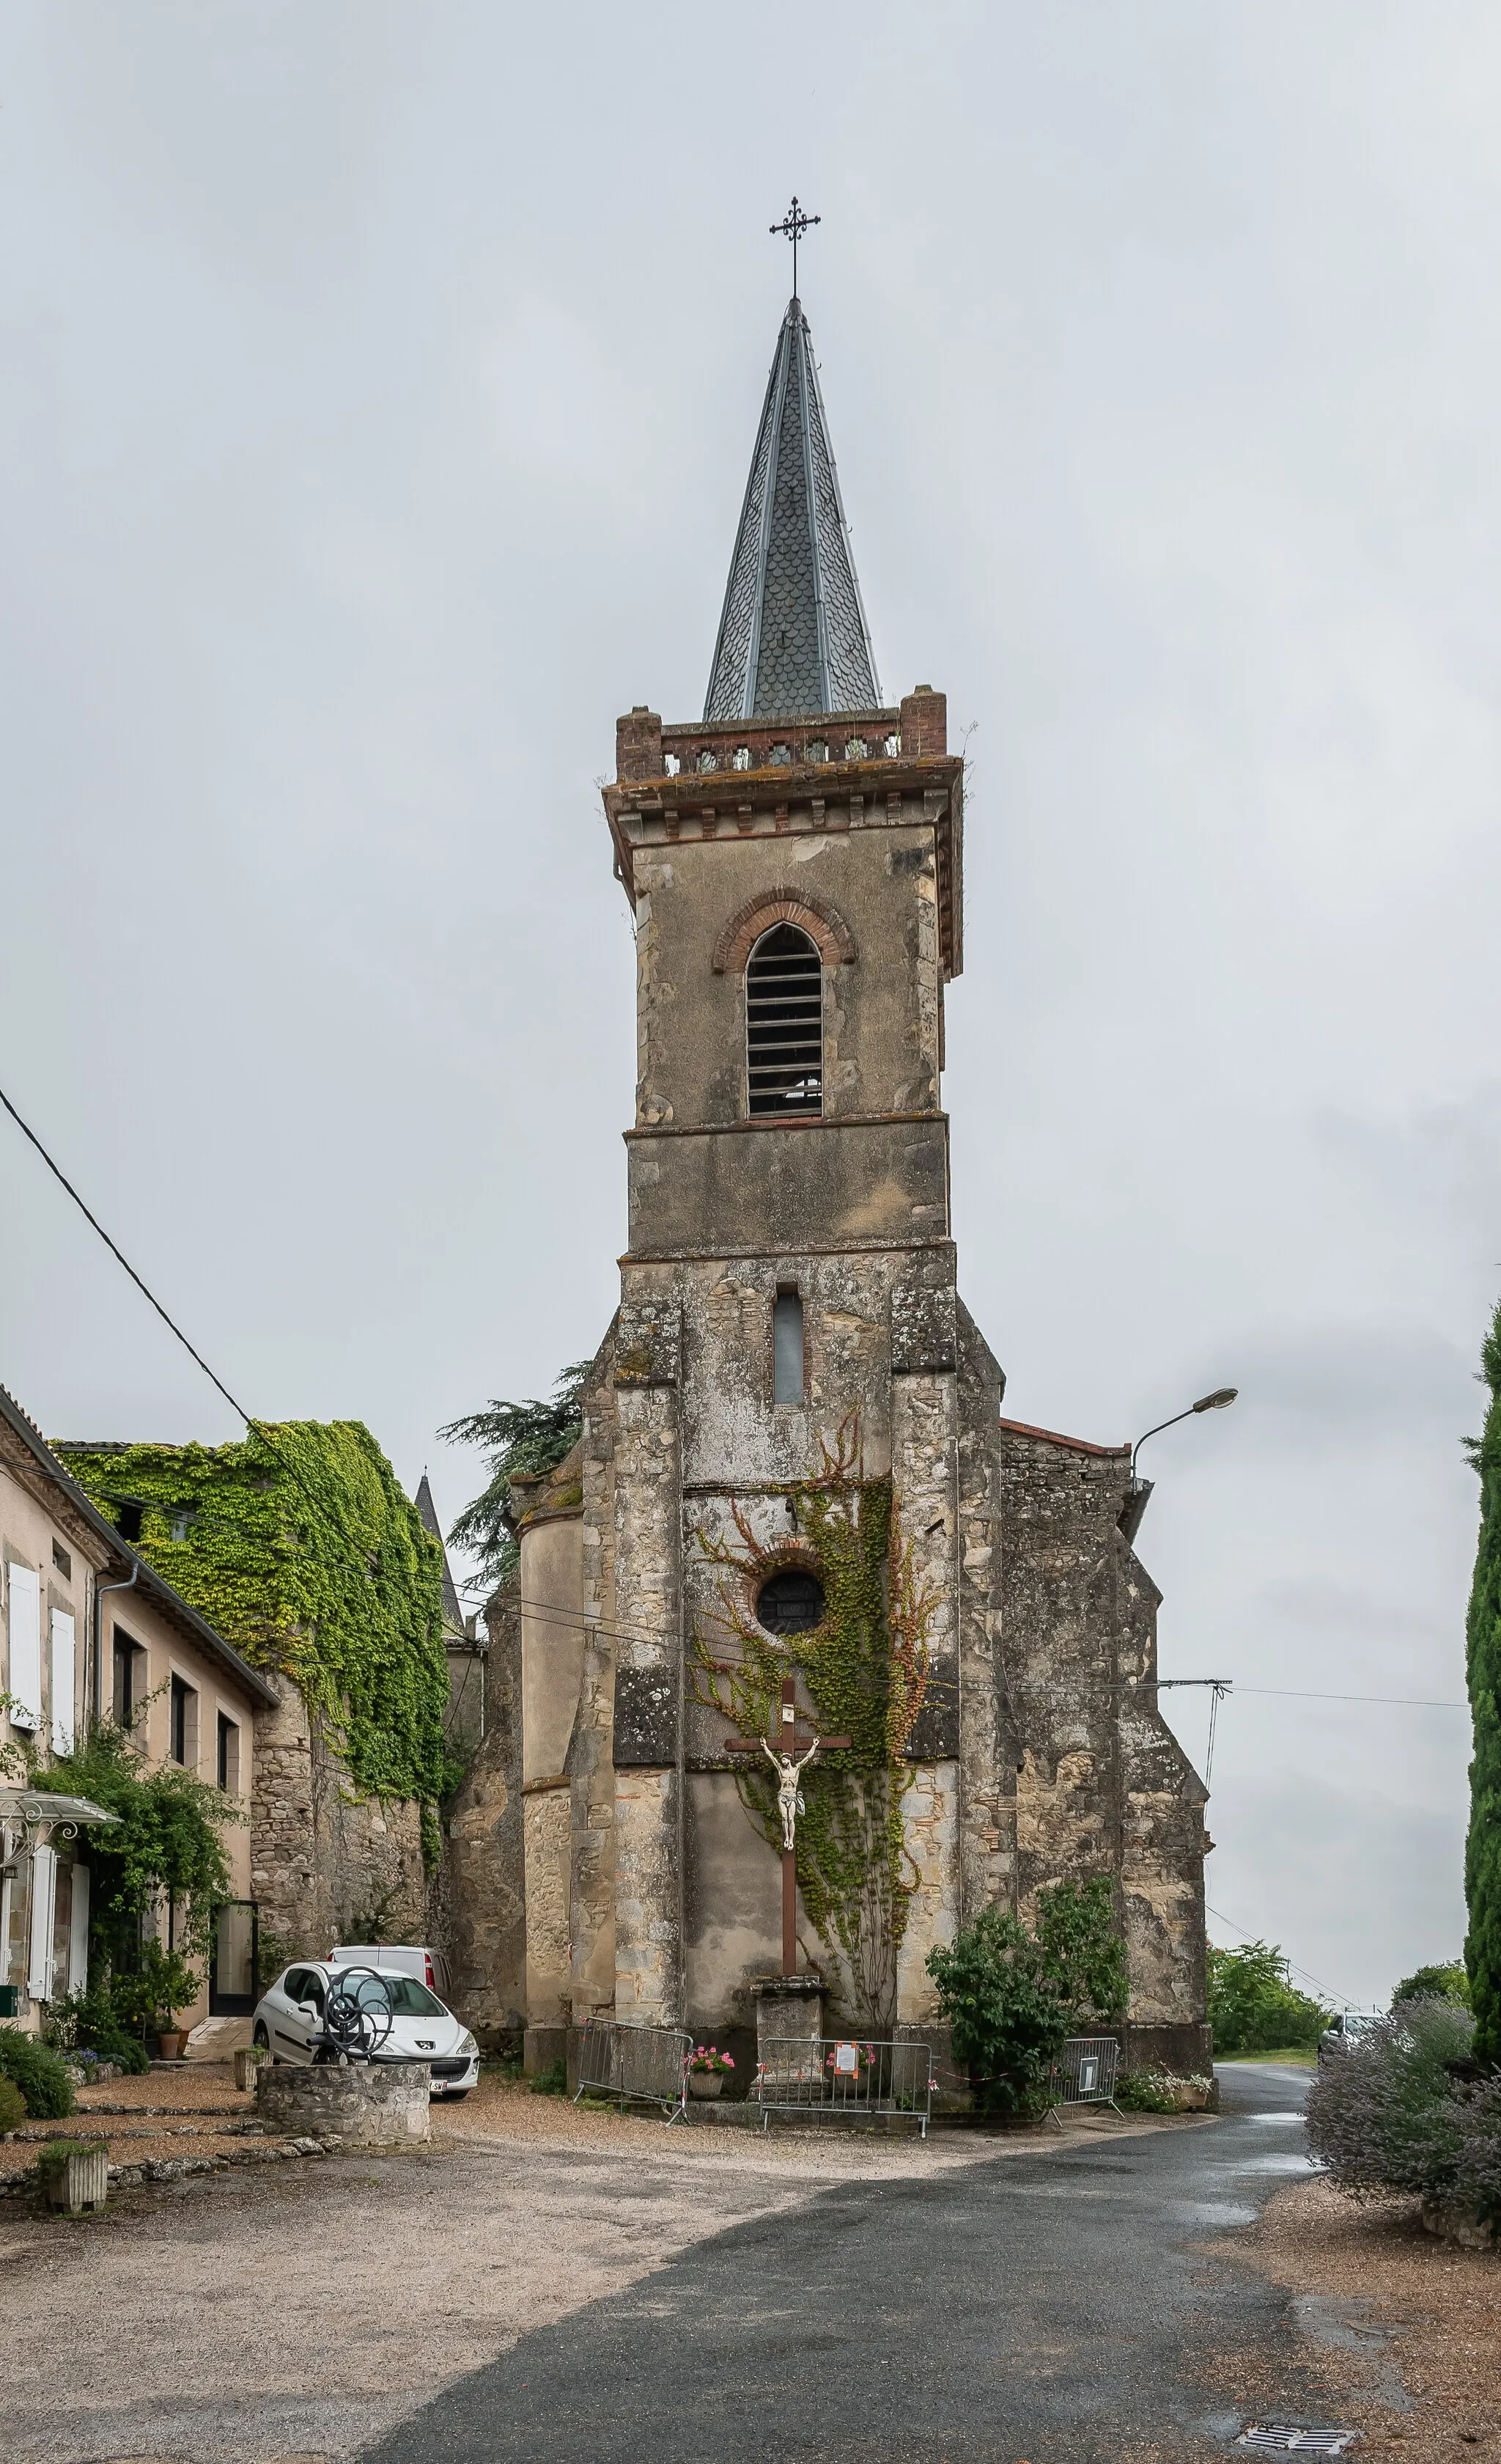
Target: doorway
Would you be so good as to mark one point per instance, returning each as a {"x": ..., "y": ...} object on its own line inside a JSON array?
[{"x": 234, "y": 1971}]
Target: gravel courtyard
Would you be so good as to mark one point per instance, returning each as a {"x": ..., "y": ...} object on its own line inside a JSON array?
[{"x": 290, "y": 2310}]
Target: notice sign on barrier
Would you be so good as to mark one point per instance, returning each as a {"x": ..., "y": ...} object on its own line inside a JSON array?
[{"x": 846, "y": 2058}]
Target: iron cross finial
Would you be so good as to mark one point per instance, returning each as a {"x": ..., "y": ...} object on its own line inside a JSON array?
[{"x": 792, "y": 226}]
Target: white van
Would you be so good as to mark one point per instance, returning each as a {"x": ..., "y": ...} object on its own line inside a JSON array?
[{"x": 399, "y": 1959}]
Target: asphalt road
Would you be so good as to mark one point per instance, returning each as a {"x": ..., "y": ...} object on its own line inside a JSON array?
[{"x": 1059, "y": 2307}]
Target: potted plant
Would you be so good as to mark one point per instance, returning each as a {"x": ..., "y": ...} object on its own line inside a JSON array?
[
  {"x": 75, "y": 2173},
  {"x": 706, "y": 2068},
  {"x": 153, "y": 1994}
]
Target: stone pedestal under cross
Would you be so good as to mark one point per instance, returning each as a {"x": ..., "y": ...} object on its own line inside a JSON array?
[{"x": 782, "y": 1750}]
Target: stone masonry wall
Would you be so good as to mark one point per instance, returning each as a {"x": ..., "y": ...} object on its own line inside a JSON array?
[
  {"x": 484, "y": 1924},
  {"x": 323, "y": 1860},
  {"x": 1104, "y": 1786}
]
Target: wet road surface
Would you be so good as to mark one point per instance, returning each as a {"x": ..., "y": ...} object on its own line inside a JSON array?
[{"x": 1040, "y": 2307}]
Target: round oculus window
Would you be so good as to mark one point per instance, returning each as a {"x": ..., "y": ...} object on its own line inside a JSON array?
[{"x": 790, "y": 1601}]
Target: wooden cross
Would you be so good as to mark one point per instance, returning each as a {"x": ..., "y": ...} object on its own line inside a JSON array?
[{"x": 785, "y": 1742}]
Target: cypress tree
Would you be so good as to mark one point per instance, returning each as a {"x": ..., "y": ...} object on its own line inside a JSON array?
[{"x": 1483, "y": 1665}]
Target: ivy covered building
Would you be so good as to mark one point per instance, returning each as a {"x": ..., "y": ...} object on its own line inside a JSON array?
[
  {"x": 795, "y": 1459},
  {"x": 298, "y": 1546}
]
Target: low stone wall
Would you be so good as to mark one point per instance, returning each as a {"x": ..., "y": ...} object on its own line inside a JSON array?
[
  {"x": 1459, "y": 2226},
  {"x": 369, "y": 2104}
]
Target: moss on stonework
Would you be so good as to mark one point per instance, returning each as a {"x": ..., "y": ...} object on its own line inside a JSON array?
[{"x": 299, "y": 1548}]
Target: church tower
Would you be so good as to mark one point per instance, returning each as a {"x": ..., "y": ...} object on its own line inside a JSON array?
[{"x": 793, "y": 1458}]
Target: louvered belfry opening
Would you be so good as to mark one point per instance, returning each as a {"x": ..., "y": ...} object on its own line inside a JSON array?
[{"x": 784, "y": 1024}]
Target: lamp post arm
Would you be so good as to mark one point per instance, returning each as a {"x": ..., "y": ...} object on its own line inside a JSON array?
[{"x": 1156, "y": 1432}]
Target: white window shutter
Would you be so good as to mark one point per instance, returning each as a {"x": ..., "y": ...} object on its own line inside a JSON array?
[
  {"x": 63, "y": 1678},
  {"x": 44, "y": 1903},
  {"x": 78, "y": 1934},
  {"x": 25, "y": 1678}
]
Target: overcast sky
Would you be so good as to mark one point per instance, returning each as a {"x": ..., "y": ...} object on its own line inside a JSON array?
[{"x": 380, "y": 383}]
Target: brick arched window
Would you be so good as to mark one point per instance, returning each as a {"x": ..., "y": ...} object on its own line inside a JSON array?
[{"x": 784, "y": 1025}]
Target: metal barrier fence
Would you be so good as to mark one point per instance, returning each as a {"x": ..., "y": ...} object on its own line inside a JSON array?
[
  {"x": 1085, "y": 2074},
  {"x": 634, "y": 2064},
  {"x": 845, "y": 2079}
]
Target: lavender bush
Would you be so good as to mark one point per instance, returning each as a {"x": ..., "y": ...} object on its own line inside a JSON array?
[{"x": 1389, "y": 2116}]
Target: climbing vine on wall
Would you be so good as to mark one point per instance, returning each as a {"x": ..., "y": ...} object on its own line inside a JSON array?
[
  {"x": 299, "y": 1548},
  {"x": 864, "y": 1667}
]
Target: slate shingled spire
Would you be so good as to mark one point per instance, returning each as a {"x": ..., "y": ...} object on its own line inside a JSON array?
[
  {"x": 793, "y": 638},
  {"x": 428, "y": 1513}
]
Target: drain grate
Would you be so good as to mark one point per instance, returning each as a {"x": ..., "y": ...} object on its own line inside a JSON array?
[{"x": 1292, "y": 2438}]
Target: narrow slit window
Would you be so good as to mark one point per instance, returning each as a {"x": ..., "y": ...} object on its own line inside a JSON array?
[
  {"x": 784, "y": 1025},
  {"x": 787, "y": 1348},
  {"x": 229, "y": 1755},
  {"x": 184, "y": 1723}
]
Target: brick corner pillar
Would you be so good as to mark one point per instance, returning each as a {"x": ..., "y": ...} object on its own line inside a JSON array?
[
  {"x": 638, "y": 745},
  {"x": 924, "y": 724}
]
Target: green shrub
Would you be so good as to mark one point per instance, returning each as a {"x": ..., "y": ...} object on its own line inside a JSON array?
[
  {"x": 12, "y": 2106},
  {"x": 1012, "y": 1998},
  {"x": 146, "y": 1998},
  {"x": 166, "y": 1836},
  {"x": 1144, "y": 2092},
  {"x": 551, "y": 2081},
  {"x": 1389, "y": 2113},
  {"x": 1254, "y": 2005},
  {"x": 79, "y": 2024},
  {"x": 38, "y": 2074},
  {"x": 1445, "y": 1983},
  {"x": 1007, "y": 2016}
]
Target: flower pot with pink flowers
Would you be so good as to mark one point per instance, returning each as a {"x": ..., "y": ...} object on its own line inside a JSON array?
[{"x": 706, "y": 2070}]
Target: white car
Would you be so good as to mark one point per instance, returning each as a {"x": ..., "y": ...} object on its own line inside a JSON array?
[
  {"x": 288, "y": 2023},
  {"x": 1343, "y": 2034}
]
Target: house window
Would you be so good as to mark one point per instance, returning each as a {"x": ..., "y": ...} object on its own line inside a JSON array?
[
  {"x": 787, "y": 1348},
  {"x": 184, "y": 1723},
  {"x": 228, "y": 1755},
  {"x": 62, "y": 1563},
  {"x": 784, "y": 1024},
  {"x": 130, "y": 1679},
  {"x": 127, "y": 1522}
]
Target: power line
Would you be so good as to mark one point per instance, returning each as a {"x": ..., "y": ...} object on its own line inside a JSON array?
[
  {"x": 538, "y": 1608},
  {"x": 138, "y": 1281},
  {"x": 360, "y": 1557},
  {"x": 1326, "y": 1990},
  {"x": 551, "y": 1613},
  {"x": 1405, "y": 1701}
]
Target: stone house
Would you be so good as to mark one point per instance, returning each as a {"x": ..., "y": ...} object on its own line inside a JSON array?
[
  {"x": 331, "y": 1857},
  {"x": 793, "y": 1405},
  {"x": 88, "y": 1624}
]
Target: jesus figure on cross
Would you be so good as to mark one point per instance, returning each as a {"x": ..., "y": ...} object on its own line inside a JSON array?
[
  {"x": 788, "y": 1765},
  {"x": 789, "y": 1796}
]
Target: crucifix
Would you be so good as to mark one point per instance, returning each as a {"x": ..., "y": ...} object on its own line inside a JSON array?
[
  {"x": 781, "y": 1752},
  {"x": 792, "y": 226}
]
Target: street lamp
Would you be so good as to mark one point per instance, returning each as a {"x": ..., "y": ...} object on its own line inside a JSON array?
[
  {"x": 1218, "y": 1402},
  {"x": 1137, "y": 1491}
]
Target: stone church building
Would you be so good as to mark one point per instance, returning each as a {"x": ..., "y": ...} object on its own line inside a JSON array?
[{"x": 795, "y": 1460}]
